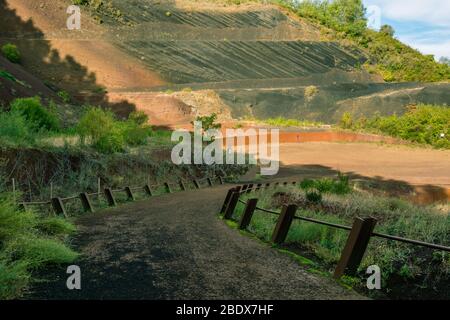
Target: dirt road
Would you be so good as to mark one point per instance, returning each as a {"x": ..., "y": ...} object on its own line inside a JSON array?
[{"x": 176, "y": 247}]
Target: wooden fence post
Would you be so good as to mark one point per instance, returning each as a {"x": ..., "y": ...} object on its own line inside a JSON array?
[
  {"x": 232, "y": 205},
  {"x": 355, "y": 247},
  {"x": 284, "y": 223},
  {"x": 267, "y": 185},
  {"x": 86, "y": 202},
  {"x": 167, "y": 186},
  {"x": 210, "y": 183},
  {"x": 244, "y": 187},
  {"x": 250, "y": 188},
  {"x": 228, "y": 197},
  {"x": 58, "y": 206},
  {"x": 129, "y": 193},
  {"x": 220, "y": 180},
  {"x": 110, "y": 197},
  {"x": 248, "y": 213},
  {"x": 148, "y": 190},
  {"x": 23, "y": 206},
  {"x": 196, "y": 184},
  {"x": 182, "y": 186},
  {"x": 258, "y": 187}
]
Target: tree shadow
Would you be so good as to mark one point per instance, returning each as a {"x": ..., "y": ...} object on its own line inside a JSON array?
[
  {"x": 46, "y": 63},
  {"x": 420, "y": 194}
]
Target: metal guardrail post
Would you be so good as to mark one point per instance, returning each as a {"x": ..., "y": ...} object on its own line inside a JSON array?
[{"x": 355, "y": 247}]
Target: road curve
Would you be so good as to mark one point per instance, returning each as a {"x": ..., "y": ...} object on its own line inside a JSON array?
[{"x": 175, "y": 247}]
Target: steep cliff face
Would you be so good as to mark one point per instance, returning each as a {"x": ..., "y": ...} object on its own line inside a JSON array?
[{"x": 257, "y": 58}]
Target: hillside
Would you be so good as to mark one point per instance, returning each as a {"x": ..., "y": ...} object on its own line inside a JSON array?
[{"x": 255, "y": 60}]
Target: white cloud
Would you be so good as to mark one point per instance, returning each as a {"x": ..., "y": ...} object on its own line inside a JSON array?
[
  {"x": 423, "y": 24},
  {"x": 436, "y": 12}
]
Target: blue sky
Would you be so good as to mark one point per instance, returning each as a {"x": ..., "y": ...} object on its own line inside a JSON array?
[{"x": 423, "y": 24}]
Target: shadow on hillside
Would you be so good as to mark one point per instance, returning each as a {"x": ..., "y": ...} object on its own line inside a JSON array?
[
  {"x": 423, "y": 194},
  {"x": 46, "y": 63}
]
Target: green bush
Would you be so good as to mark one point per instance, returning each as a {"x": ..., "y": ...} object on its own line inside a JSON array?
[
  {"x": 424, "y": 124},
  {"x": 107, "y": 135},
  {"x": 11, "y": 52},
  {"x": 15, "y": 129},
  {"x": 36, "y": 114}
]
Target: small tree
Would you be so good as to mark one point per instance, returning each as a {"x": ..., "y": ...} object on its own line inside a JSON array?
[
  {"x": 387, "y": 30},
  {"x": 209, "y": 122}
]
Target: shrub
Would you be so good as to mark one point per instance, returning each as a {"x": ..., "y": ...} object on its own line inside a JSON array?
[
  {"x": 11, "y": 52},
  {"x": 35, "y": 113},
  {"x": 95, "y": 123},
  {"x": 15, "y": 129},
  {"x": 108, "y": 135},
  {"x": 111, "y": 142}
]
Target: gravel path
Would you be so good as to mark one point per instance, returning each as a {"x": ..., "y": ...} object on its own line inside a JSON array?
[{"x": 176, "y": 247}]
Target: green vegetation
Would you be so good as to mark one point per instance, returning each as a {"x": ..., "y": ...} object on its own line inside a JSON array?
[
  {"x": 34, "y": 112},
  {"x": 27, "y": 121},
  {"x": 345, "y": 20},
  {"x": 11, "y": 52},
  {"x": 424, "y": 124},
  {"x": 108, "y": 135},
  {"x": 209, "y": 122},
  {"x": 418, "y": 271},
  {"x": 65, "y": 97},
  {"x": 283, "y": 122},
  {"x": 28, "y": 243}
]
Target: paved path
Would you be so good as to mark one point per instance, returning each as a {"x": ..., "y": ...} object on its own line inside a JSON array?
[{"x": 176, "y": 247}]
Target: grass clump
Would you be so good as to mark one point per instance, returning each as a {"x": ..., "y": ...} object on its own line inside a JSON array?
[
  {"x": 28, "y": 243},
  {"x": 423, "y": 124},
  {"x": 11, "y": 52}
]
